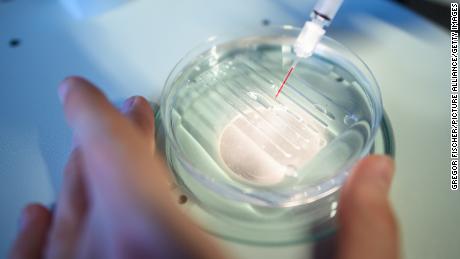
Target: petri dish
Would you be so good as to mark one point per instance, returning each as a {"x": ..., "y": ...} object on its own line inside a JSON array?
[{"x": 261, "y": 169}]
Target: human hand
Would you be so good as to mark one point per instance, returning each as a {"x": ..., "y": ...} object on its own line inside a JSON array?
[
  {"x": 368, "y": 227},
  {"x": 115, "y": 199}
]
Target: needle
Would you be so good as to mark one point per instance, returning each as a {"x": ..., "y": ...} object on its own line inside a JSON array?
[
  {"x": 286, "y": 77},
  {"x": 312, "y": 32}
]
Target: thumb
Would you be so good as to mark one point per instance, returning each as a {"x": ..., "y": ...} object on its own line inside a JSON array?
[{"x": 368, "y": 227}]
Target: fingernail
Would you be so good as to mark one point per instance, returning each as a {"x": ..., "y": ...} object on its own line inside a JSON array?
[
  {"x": 382, "y": 168},
  {"x": 62, "y": 90},
  {"x": 129, "y": 103},
  {"x": 24, "y": 218}
]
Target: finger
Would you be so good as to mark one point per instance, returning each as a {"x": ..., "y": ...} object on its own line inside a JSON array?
[
  {"x": 368, "y": 227},
  {"x": 103, "y": 133},
  {"x": 112, "y": 147},
  {"x": 138, "y": 110},
  {"x": 70, "y": 210},
  {"x": 87, "y": 111},
  {"x": 31, "y": 239}
]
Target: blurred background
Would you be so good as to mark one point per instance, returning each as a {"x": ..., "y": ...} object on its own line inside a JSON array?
[{"x": 434, "y": 10}]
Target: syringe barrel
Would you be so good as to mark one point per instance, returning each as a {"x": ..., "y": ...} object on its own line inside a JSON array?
[
  {"x": 313, "y": 30},
  {"x": 327, "y": 8}
]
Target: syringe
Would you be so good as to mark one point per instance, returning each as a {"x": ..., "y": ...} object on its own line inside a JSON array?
[{"x": 312, "y": 32}]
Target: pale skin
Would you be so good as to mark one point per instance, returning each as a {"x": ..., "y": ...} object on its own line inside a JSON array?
[{"x": 116, "y": 203}]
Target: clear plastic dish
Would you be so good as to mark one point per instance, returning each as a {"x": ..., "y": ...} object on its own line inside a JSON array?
[{"x": 267, "y": 170}]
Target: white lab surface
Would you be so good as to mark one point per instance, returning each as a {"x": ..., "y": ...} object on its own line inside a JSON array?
[
  {"x": 81, "y": 9},
  {"x": 130, "y": 48}
]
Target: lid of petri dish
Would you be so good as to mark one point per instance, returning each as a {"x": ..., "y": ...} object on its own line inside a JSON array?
[
  {"x": 227, "y": 129},
  {"x": 255, "y": 164}
]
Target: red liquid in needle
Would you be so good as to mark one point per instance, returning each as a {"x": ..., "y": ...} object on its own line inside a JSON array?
[{"x": 286, "y": 77}]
